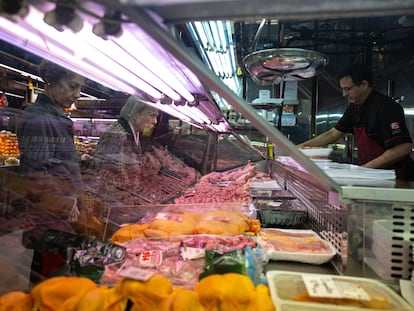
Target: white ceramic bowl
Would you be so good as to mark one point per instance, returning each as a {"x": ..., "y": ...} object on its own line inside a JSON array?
[{"x": 317, "y": 152}]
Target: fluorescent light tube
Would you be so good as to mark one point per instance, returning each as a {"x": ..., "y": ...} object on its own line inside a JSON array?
[
  {"x": 86, "y": 52},
  {"x": 133, "y": 39},
  {"x": 223, "y": 35},
  {"x": 98, "y": 66},
  {"x": 117, "y": 54},
  {"x": 28, "y": 36},
  {"x": 13, "y": 95},
  {"x": 216, "y": 37},
  {"x": 201, "y": 35}
]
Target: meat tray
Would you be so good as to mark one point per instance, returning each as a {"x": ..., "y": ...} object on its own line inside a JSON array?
[
  {"x": 303, "y": 246},
  {"x": 268, "y": 189}
]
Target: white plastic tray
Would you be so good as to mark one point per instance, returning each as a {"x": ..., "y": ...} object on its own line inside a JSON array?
[
  {"x": 284, "y": 286},
  {"x": 267, "y": 185},
  {"x": 304, "y": 257},
  {"x": 391, "y": 248}
]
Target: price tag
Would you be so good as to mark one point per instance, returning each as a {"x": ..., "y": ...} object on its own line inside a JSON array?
[
  {"x": 328, "y": 287},
  {"x": 136, "y": 273},
  {"x": 150, "y": 258},
  {"x": 188, "y": 253}
]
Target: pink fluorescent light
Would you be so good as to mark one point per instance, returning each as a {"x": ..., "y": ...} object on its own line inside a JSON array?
[
  {"x": 134, "y": 40},
  {"x": 88, "y": 53},
  {"x": 195, "y": 113},
  {"x": 28, "y": 40},
  {"x": 125, "y": 60},
  {"x": 176, "y": 112},
  {"x": 220, "y": 127},
  {"x": 98, "y": 67},
  {"x": 112, "y": 58},
  {"x": 188, "y": 114}
]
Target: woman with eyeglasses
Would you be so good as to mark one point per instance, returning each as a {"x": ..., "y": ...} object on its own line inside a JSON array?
[
  {"x": 376, "y": 121},
  {"x": 120, "y": 142}
]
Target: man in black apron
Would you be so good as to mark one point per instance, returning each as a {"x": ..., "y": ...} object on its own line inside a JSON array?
[{"x": 377, "y": 122}]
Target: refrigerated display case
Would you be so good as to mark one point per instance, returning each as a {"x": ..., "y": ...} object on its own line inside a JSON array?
[
  {"x": 370, "y": 226},
  {"x": 348, "y": 216}
]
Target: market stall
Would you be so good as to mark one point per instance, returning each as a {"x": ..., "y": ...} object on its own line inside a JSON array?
[{"x": 208, "y": 212}]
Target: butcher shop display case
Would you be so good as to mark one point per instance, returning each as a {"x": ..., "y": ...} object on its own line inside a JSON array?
[
  {"x": 188, "y": 164},
  {"x": 369, "y": 226}
]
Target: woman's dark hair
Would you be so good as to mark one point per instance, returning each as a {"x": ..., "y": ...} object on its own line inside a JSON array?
[
  {"x": 358, "y": 73},
  {"x": 51, "y": 72}
]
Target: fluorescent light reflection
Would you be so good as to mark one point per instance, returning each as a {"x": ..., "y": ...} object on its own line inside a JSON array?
[
  {"x": 133, "y": 63},
  {"x": 30, "y": 39},
  {"x": 83, "y": 49},
  {"x": 117, "y": 64},
  {"x": 13, "y": 95},
  {"x": 131, "y": 42},
  {"x": 192, "y": 115},
  {"x": 409, "y": 111},
  {"x": 333, "y": 115},
  {"x": 126, "y": 63}
]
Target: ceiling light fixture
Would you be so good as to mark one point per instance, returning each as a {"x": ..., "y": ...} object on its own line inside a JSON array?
[
  {"x": 64, "y": 16},
  {"x": 193, "y": 104},
  {"x": 156, "y": 60},
  {"x": 13, "y": 9},
  {"x": 109, "y": 26},
  {"x": 165, "y": 100}
]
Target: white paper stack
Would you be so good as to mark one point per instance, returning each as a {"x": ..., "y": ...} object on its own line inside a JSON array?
[{"x": 344, "y": 173}]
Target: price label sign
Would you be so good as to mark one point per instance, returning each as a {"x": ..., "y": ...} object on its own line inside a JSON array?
[
  {"x": 150, "y": 258},
  {"x": 136, "y": 273},
  {"x": 329, "y": 287}
]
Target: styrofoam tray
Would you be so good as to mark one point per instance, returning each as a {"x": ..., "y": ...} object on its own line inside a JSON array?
[
  {"x": 304, "y": 257},
  {"x": 284, "y": 286},
  {"x": 398, "y": 258},
  {"x": 391, "y": 248},
  {"x": 385, "y": 233}
]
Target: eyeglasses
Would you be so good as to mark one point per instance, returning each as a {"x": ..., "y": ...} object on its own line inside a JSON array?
[{"x": 347, "y": 88}]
